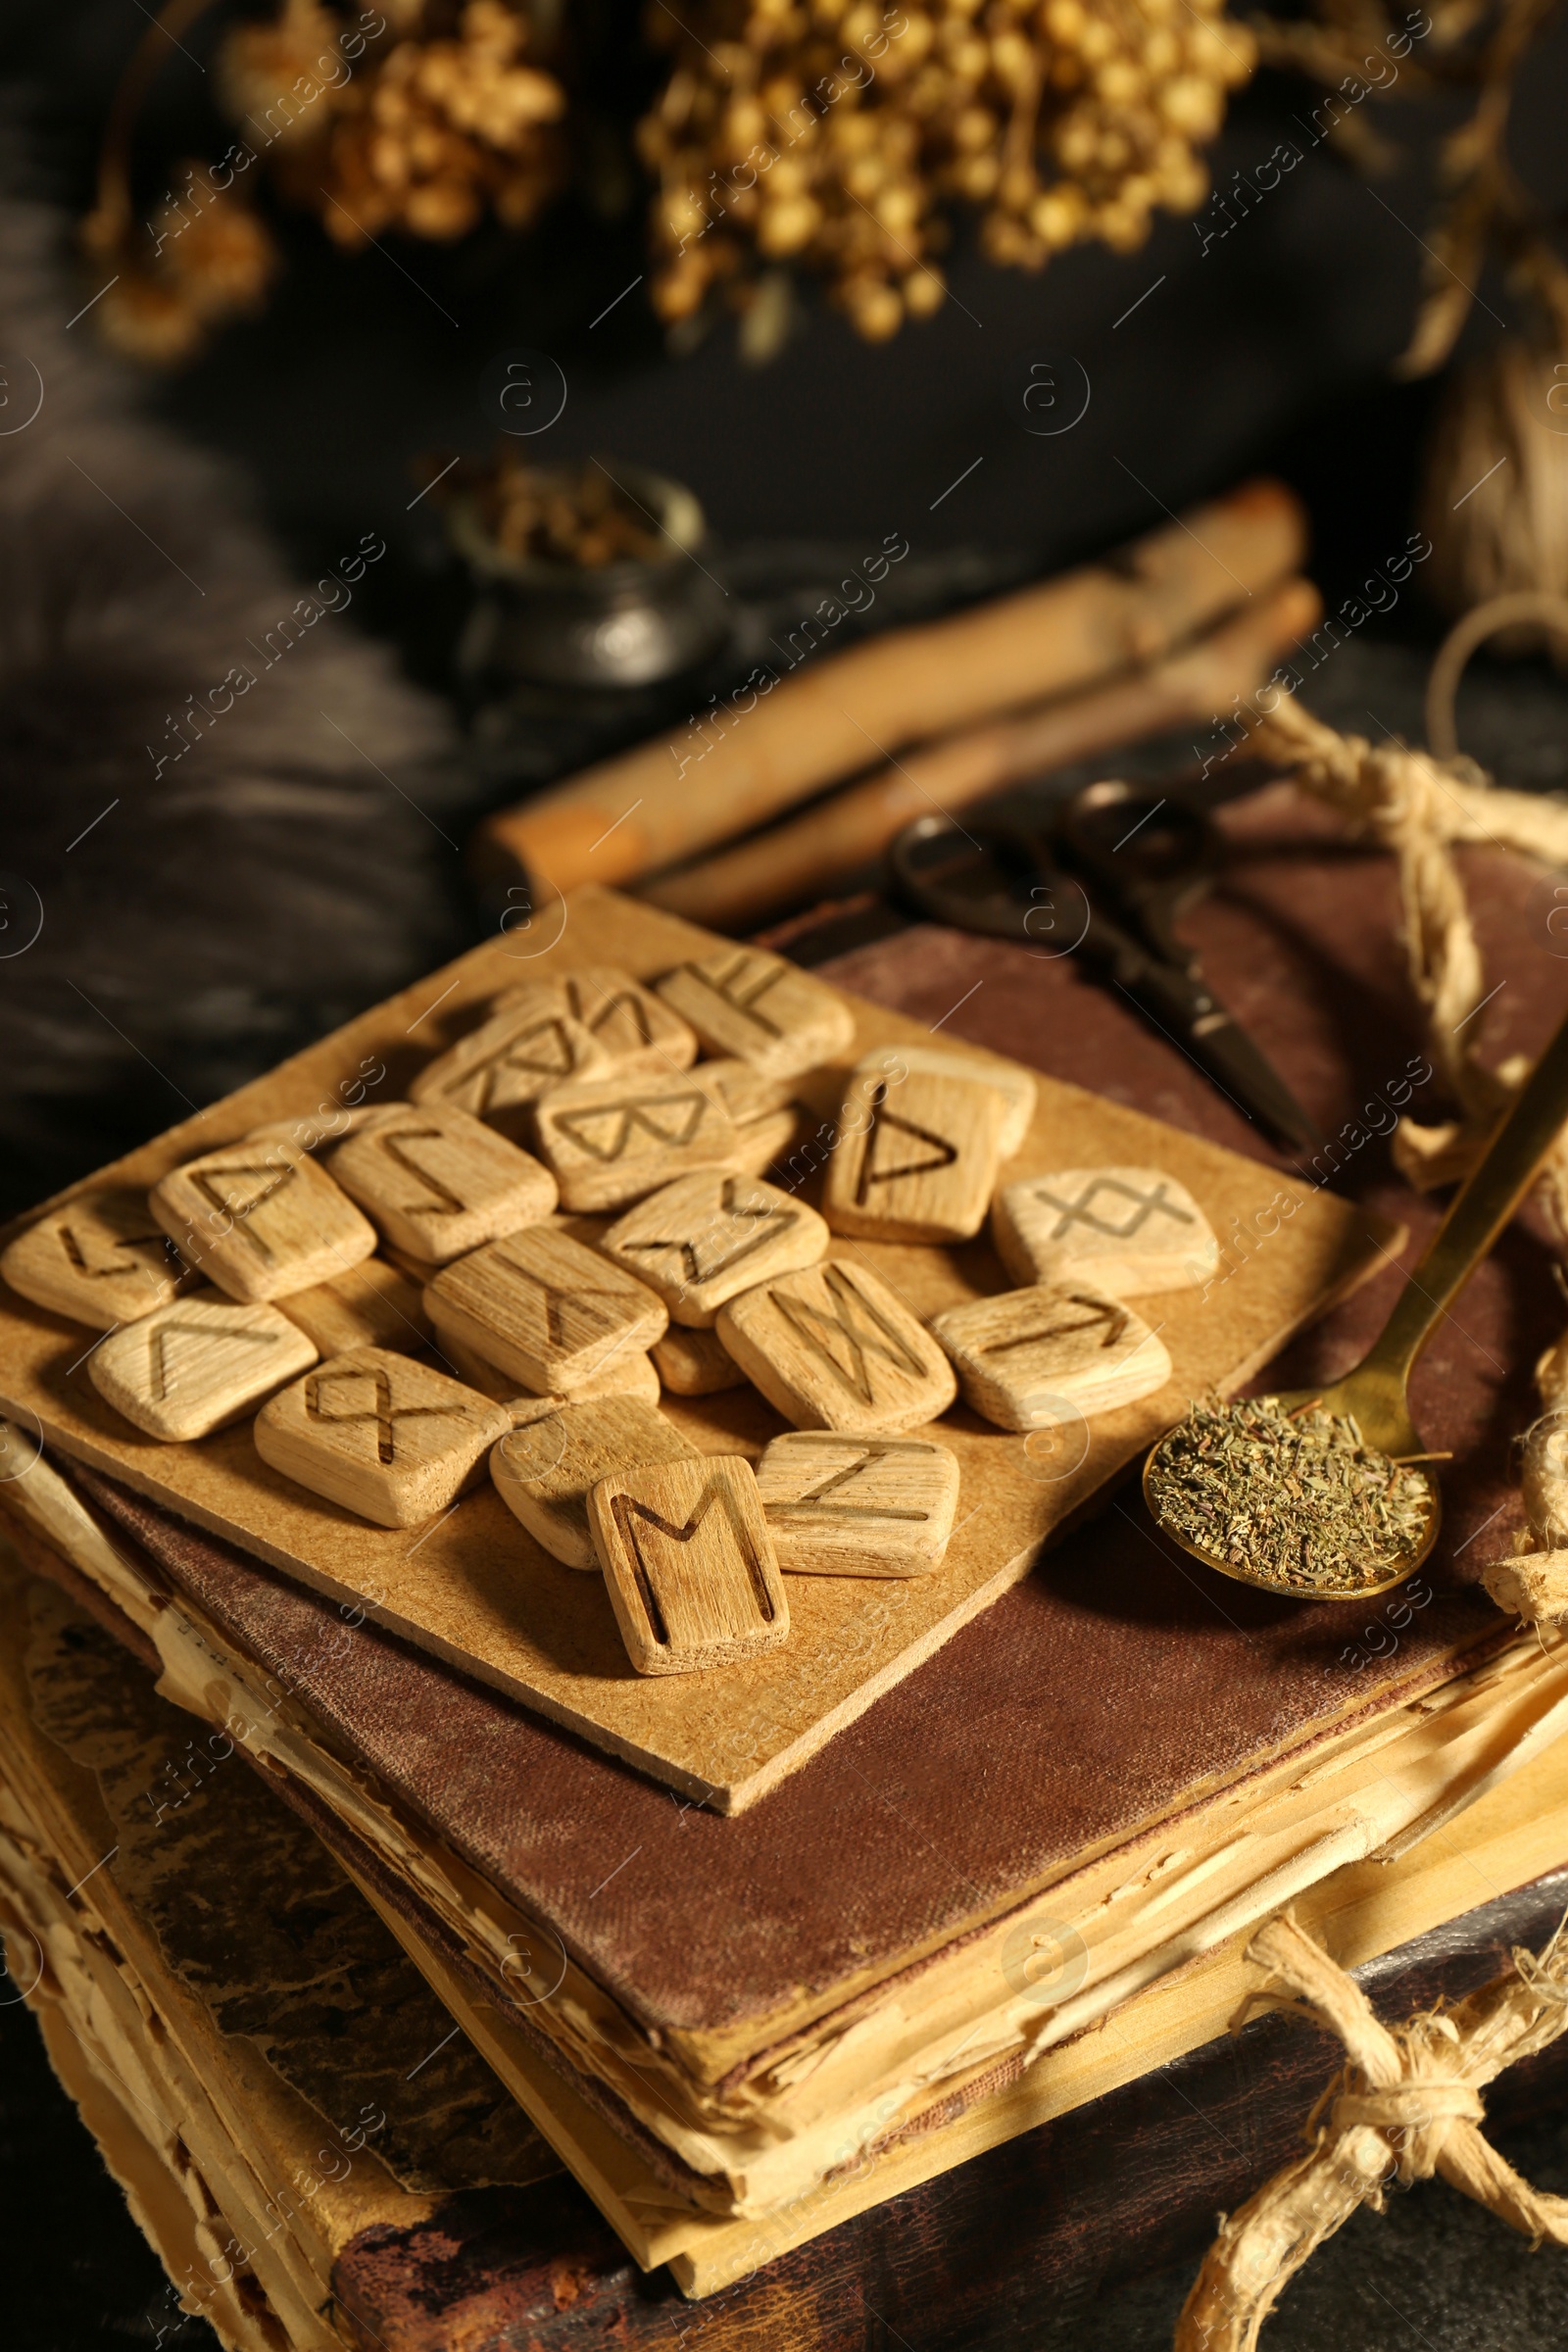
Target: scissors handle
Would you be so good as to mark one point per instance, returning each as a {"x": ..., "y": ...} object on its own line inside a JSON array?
[
  {"x": 1148, "y": 855},
  {"x": 999, "y": 880},
  {"x": 1003, "y": 880}
]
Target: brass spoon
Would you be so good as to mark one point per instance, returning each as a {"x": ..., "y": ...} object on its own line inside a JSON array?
[{"x": 1374, "y": 1394}]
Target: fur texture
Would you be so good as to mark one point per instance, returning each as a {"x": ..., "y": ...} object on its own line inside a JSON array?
[{"x": 241, "y": 896}]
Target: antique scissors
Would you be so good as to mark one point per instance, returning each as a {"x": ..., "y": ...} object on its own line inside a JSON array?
[{"x": 1104, "y": 874}]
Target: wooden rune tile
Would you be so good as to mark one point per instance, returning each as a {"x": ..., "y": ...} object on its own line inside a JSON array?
[
  {"x": 423, "y": 1271},
  {"x": 579, "y": 1224},
  {"x": 745, "y": 1002},
  {"x": 689, "y": 1564},
  {"x": 629, "y": 1372},
  {"x": 372, "y": 1305},
  {"x": 1029, "y": 1358},
  {"x": 609, "y": 1143},
  {"x": 1129, "y": 1231},
  {"x": 390, "y": 1439},
  {"x": 316, "y": 1131},
  {"x": 197, "y": 1365},
  {"x": 499, "y": 1071},
  {"x": 546, "y": 1468},
  {"x": 546, "y": 1309},
  {"x": 468, "y": 1365},
  {"x": 915, "y": 1158},
  {"x": 745, "y": 1092},
  {"x": 102, "y": 1260},
  {"x": 834, "y": 1347},
  {"x": 261, "y": 1220},
  {"x": 701, "y": 1240},
  {"x": 694, "y": 1363},
  {"x": 766, "y": 1141},
  {"x": 439, "y": 1182},
  {"x": 1016, "y": 1087},
  {"x": 418, "y": 1270},
  {"x": 839, "y": 1505},
  {"x": 639, "y": 1033},
  {"x": 768, "y": 1119}
]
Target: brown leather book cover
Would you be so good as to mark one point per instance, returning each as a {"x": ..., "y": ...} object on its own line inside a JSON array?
[{"x": 1119, "y": 1683}]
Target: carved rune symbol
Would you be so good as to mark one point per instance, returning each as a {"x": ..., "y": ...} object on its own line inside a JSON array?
[
  {"x": 1101, "y": 1310},
  {"x": 545, "y": 1052},
  {"x": 383, "y": 1412},
  {"x": 625, "y": 1006},
  {"x": 108, "y": 1258},
  {"x": 554, "y": 1303},
  {"x": 729, "y": 986},
  {"x": 940, "y": 1153},
  {"x": 268, "y": 1182},
  {"x": 605, "y": 1128},
  {"x": 625, "y": 1509},
  {"x": 1082, "y": 1213},
  {"x": 870, "y": 1450},
  {"x": 862, "y": 1329},
  {"x": 162, "y": 1375},
  {"x": 764, "y": 1219},
  {"x": 442, "y": 1200}
]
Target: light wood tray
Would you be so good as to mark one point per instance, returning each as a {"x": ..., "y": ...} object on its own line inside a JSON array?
[{"x": 474, "y": 1588}]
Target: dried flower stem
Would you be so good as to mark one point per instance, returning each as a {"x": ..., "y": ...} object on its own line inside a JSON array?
[
  {"x": 113, "y": 208},
  {"x": 1486, "y": 209}
]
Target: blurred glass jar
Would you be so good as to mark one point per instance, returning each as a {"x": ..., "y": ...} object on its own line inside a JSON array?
[{"x": 630, "y": 622}]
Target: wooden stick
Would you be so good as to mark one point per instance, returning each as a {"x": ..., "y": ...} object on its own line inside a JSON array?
[
  {"x": 783, "y": 738},
  {"x": 740, "y": 887}
]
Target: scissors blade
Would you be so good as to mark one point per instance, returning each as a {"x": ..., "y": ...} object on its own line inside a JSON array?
[{"x": 1192, "y": 1020}]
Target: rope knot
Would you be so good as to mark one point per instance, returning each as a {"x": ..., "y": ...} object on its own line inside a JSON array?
[
  {"x": 1411, "y": 2091},
  {"x": 1414, "y": 2116}
]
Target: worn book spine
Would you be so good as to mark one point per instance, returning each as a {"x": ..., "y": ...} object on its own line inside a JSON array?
[{"x": 1117, "y": 2188}]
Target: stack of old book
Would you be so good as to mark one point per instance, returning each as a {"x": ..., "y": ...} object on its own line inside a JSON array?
[{"x": 354, "y": 1933}]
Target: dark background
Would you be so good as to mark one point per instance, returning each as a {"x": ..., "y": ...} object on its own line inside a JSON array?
[{"x": 1270, "y": 352}]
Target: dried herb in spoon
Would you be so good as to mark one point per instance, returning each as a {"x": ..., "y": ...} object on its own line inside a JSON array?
[{"x": 1297, "y": 1499}]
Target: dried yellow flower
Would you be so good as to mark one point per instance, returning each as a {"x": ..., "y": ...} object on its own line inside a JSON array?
[
  {"x": 428, "y": 134},
  {"x": 203, "y": 256},
  {"x": 258, "y": 66},
  {"x": 222, "y": 261},
  {"x": 148, "y": 319},
  {"x": 833, "y": 135}
]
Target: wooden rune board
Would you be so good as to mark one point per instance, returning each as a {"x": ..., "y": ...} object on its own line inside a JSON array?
[{"x": 474, "y": 1588}]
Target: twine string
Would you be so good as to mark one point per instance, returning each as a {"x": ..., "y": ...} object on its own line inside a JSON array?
[
  {"x": 1421, "y": 809},
  {"x": 1406, "y": 2106}
]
